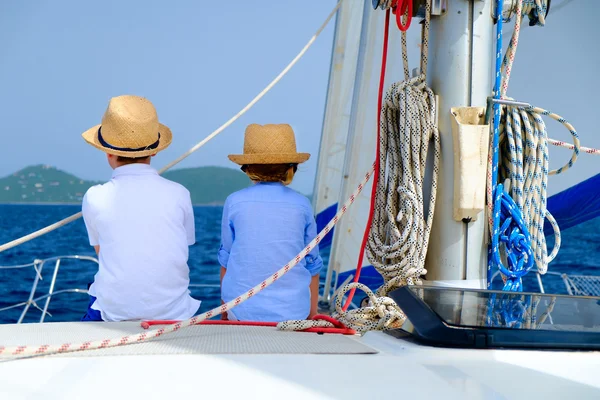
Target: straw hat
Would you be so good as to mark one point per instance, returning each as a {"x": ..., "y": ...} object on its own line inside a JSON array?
[
  {"x": 129, "y": 128},
  {"x": 269, "y": 144}
]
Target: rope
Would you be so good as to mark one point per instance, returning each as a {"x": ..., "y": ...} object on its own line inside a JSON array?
[
  {"x": 399, "y": 233},
  {"x": 408, "y": 113},
  {"x": 407, "y": 121},
  {"x": 318, "y": 324},
  {"x": 36, "y": 350},
  {"x": 516, "y": 221},
  {"x": 382, "y": 313},
  {"x": 400, "y": 8},
  {"x": 74, "y": 217}
]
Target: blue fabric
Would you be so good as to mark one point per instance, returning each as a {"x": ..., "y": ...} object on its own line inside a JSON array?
[
  {"x": 575, "y": 205},
  {"x": 91, "y": 314},
  {"x": 263, "y": 228},
  {"x": 323, "y": 219}
]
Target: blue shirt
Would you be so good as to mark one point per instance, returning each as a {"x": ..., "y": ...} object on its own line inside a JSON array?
[{"x": 263, "y": 228}]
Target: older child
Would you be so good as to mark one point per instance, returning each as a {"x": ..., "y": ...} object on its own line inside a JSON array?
[
  {"x": 265, "y": 226},
  {"x": 139, "y": 223}
]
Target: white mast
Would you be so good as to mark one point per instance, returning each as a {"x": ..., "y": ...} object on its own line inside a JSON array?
[{"x": 461, "y": 69}]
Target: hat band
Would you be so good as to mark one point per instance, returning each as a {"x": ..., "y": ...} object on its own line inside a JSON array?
[{"x": 110, "y": 146}]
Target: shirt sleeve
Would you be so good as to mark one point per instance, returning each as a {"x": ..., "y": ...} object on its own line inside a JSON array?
[
  {"x": 227, "y": 235},
  {"x": 89, "y": 220},
  {"x": 314, "y": 262},
  {"x": 189, "y": 222}
]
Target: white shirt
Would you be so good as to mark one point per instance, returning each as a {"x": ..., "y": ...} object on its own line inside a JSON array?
[{"x": 143, "y": 224}]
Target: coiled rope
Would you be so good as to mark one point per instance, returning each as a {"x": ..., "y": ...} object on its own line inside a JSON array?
[
  {"x": 398, "y": 233},
  {"x": 400, "y": 230},
  {"x": 517, "y": 220},
  {"x": 220, "y": 129}
]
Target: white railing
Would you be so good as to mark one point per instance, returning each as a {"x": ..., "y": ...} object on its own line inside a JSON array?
[
  {"x": 38, "y": 266},
  {"x": 576, "y": 285}
]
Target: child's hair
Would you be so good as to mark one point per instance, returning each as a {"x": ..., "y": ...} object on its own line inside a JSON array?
[
  {"x": 283, "y": 173},
  {"x": 131, "y": 160}
]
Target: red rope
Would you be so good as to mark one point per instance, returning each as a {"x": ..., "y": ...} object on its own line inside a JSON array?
[
  {"x": 376, "y": 173},
  {"x": 339, "y": 328},
  {"x": 402, "y": 6}
]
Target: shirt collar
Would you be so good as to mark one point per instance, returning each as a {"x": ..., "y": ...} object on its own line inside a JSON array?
[
  {"x": 134, "y": 169},
  {"x": 270, "y": 183}
]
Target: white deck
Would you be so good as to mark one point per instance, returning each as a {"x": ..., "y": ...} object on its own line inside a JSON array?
[{"x": 399, "y": 368}]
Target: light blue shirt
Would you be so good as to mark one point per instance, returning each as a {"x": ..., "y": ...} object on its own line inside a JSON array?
[{"x": 263, "y": 228}]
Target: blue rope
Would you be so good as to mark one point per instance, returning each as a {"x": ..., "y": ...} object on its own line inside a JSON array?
[
  {"x": 510, "y": 311},
  {"x": 508, "y": 226}
]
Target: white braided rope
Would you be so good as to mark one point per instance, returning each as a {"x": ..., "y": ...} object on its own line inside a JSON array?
[
  {"x": 400, "y": 230},
  {"x": 220, "y": 129},
  {"x": 399, "y": 234},
  {"x": 34, "y": 350},
  {"x": 382, "y": 313}
]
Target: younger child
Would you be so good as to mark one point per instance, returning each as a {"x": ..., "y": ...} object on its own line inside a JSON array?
[
  {"x": 264, "y": 227},
  {"x": 139, "y": 223}
]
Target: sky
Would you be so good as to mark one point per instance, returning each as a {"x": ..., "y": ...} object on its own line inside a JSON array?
[{"x": 200, "y": 62}]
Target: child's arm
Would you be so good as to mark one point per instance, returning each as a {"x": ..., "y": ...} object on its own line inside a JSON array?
[
  {"x": 314, "y": 262},
  {"x": 225, "y": 248},
  {"x": 223, "y": 271},
  {"x": 314, "y": 296},
  {"x": 89, "y": 220}
]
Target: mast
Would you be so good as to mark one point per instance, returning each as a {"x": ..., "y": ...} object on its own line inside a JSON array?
[{"x": 461, "y": 67}]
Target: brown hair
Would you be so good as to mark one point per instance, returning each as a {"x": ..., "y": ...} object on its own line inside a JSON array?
[
  {"x": 132, "y": 160},
  {"x": 283, "y": 173}
]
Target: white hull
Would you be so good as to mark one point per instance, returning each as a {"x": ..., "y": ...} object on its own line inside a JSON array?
[{"x": 400, "y": 368}]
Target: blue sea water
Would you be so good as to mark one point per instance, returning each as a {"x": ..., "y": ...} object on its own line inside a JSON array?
[{"x": 579, "y": 254}]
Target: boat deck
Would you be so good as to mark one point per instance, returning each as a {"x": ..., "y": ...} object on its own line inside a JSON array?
[{"x": 255, "y": 362}]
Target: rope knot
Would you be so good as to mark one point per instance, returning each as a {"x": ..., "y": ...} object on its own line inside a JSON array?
[
  {"x": 514, "y": 235},
  {"x": 381, "y": 313}
]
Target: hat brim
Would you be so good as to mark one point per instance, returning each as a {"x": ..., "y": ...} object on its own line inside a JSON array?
[
  {"x": 282, "y": 158},
  {"x": 166, "y": 136}
]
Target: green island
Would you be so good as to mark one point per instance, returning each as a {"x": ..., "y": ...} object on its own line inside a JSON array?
[{"x": 44, "y": 184}]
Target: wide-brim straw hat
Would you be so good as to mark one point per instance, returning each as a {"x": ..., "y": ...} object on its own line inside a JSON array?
[
  {"x": 269, "y": 144},
  {"x": 129, "y": 128}
]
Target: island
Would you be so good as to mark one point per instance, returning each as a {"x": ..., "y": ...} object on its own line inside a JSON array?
[{"x": 44, "y": 184}]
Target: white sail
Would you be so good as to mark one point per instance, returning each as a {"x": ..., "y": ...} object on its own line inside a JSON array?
[{"x": 338, "y": 105}]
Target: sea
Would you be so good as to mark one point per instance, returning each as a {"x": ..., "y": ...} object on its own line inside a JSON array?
[{"x": 579, "y": 254}]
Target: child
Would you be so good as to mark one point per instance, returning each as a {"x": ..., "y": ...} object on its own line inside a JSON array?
[
  {"x": 264, "y": 227},
  {"x": 139, "y": 223}
]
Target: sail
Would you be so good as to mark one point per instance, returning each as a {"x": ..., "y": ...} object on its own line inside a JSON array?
[
  {"x": 360, "y": 150},
  {"x": 337, "y": 113},
  {"x": 575, "y": 205}
]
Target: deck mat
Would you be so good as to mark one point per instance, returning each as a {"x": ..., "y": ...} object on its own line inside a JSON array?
[{"x": 203, "y": 339}]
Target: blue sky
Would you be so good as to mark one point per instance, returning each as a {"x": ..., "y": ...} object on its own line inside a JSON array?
[{"x": 200, "y": 62}]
